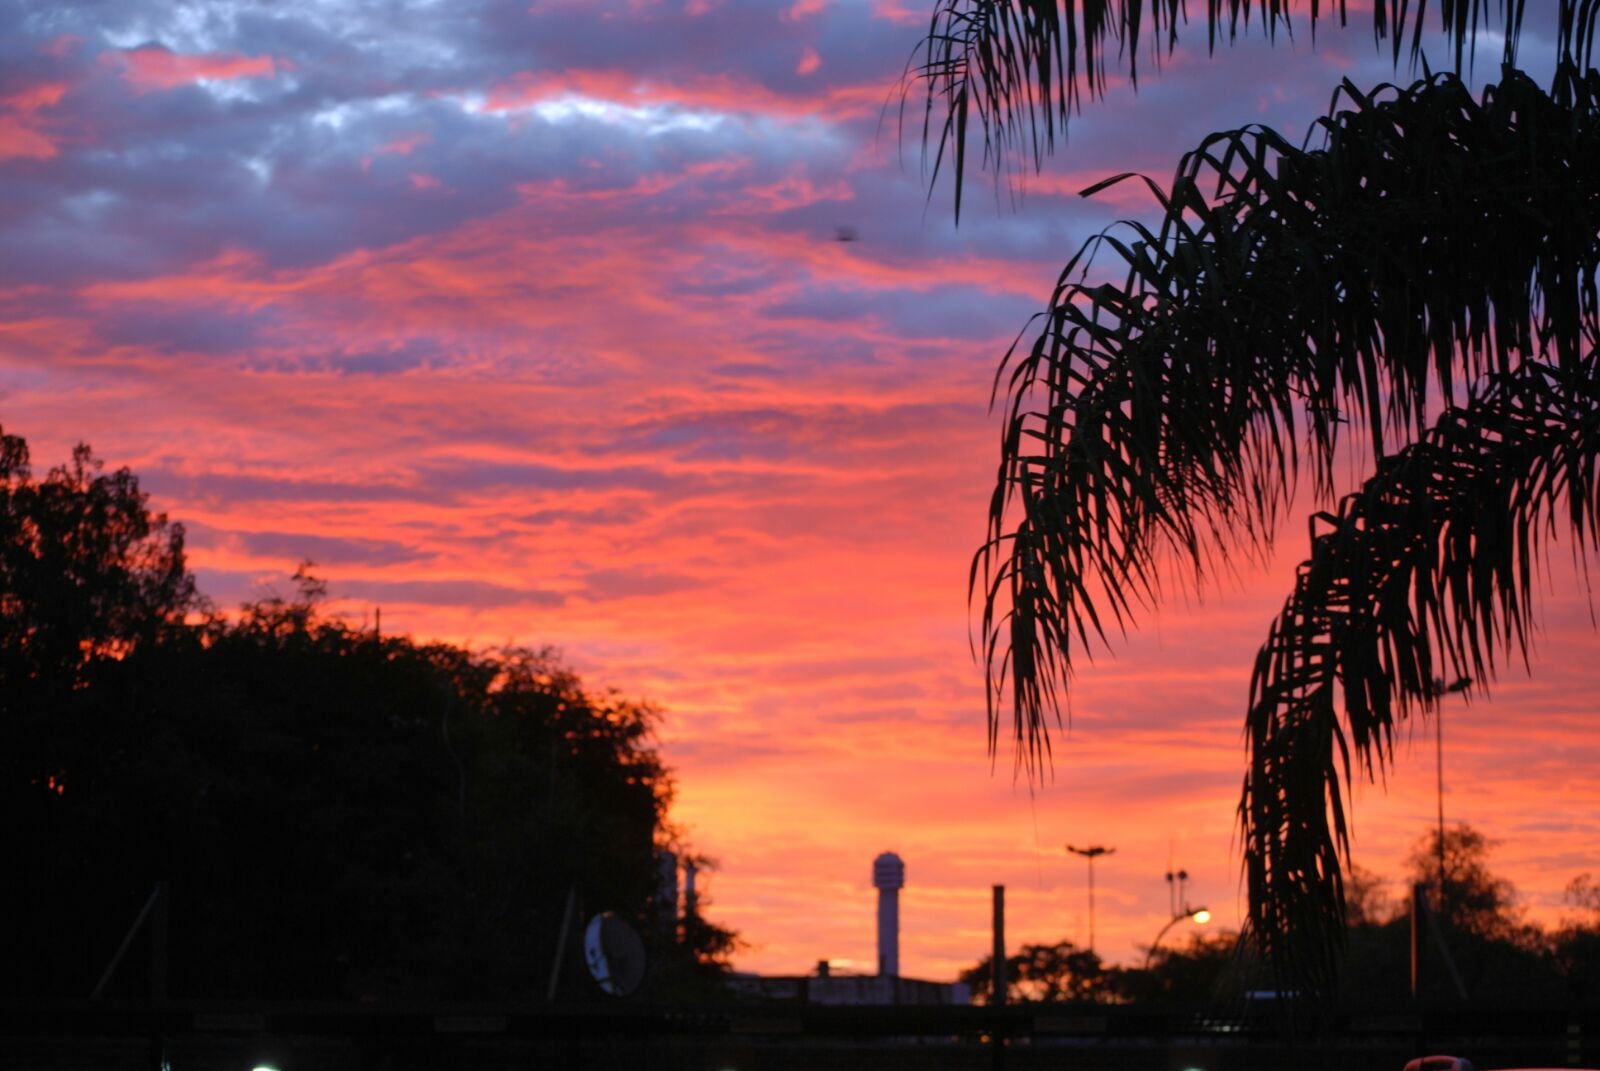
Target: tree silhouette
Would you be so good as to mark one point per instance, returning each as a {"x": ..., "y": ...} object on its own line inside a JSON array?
[
  {"x": 1496, "y": 952},
  {"x": 1202, "y": 970},
  {"x": 1423, "y": 271},
  {"x": 332, "y": 813},
  {"x": 1473, "y": 900},
  {"x": 1046, "y": 973},
  {"x": 1577, "y": 942},
  {"x": 87, "y": 572}
]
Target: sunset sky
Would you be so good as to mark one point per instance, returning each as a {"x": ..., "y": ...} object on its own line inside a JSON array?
[{"x": 527, "y": 322}]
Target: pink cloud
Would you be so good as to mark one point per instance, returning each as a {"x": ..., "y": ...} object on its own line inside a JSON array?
[
  {"x": 646, "y": 415},
  {"x": 23, "y": 131},
  {"x": 821, "y": 706},
  {"x": 802, "y": 9},
  {"x": 17, "y": 139},
  {"x": 61, "y": 45},
  {"x": 712, "y": 92},
  {"x": 810, "y": 62},
  {"x": 404, "y": 146},
  {"x": 900, "y": 12},
  {"x": 153, "y": 67}
]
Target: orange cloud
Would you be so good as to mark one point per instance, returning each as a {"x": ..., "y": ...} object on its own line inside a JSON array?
[{"x": 605, "y": 417}]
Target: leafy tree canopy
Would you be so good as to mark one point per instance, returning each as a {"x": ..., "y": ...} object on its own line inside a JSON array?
[
  {"x": 1497, "y": 956},
  {"x": 1205, "y": 969},
  {"x": 87, "y": 572},
  {"x": 1473, "y": 900},
  {"x": 1493, "y": 952},
  {"x": 1577, "y": 942},
  {"x": 1044, "y": 973},
  {"x": 333, "y": 812}
]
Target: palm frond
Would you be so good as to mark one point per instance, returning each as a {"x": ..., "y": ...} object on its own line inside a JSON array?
[
  {"x": 1431, "y": 241},
  {"x": 1016, "y": 70},
  {"x": 1425, "y": 571}
]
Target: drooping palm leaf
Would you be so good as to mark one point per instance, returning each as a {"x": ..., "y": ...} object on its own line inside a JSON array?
[
  {"x": 1017, "y": 69},
  {"x": 1424, "y": 571},
  {"x": 1435, "y": 247},
  {"x": 1433, "y": 240}
]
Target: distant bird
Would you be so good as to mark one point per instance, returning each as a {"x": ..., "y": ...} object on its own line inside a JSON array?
[{"x": 844, "y": 232}]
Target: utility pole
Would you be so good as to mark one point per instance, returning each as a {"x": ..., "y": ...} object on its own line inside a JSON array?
[
  {"x": 1091, "y": 853},
  {"x": 998, "y": 981},
  {"x": 1461, "y": 684},
  {"x": 1418, "y": 906}
]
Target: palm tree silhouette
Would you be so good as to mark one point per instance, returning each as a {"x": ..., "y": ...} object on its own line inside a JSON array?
[{"x": 1422, "y": 274}]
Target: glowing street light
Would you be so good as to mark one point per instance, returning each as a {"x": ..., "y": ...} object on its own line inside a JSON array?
[{"x": 1200, "y": 915}]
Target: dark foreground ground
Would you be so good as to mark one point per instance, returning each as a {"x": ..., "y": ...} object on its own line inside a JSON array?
[{"x": 185, "y": 1037}]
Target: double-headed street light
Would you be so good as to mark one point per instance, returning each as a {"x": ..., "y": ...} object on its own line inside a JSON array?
[
  {"x": 1091, "y": 853},
  {"x": 1176, "y": 894}
]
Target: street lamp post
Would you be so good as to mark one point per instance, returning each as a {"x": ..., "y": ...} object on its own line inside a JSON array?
[
  {"x": 1090, "y": 853},
  {"x": 1200, "y": 915}
]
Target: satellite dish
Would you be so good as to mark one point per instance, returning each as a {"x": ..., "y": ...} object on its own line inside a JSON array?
[{"x": 614, "y": 953}]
